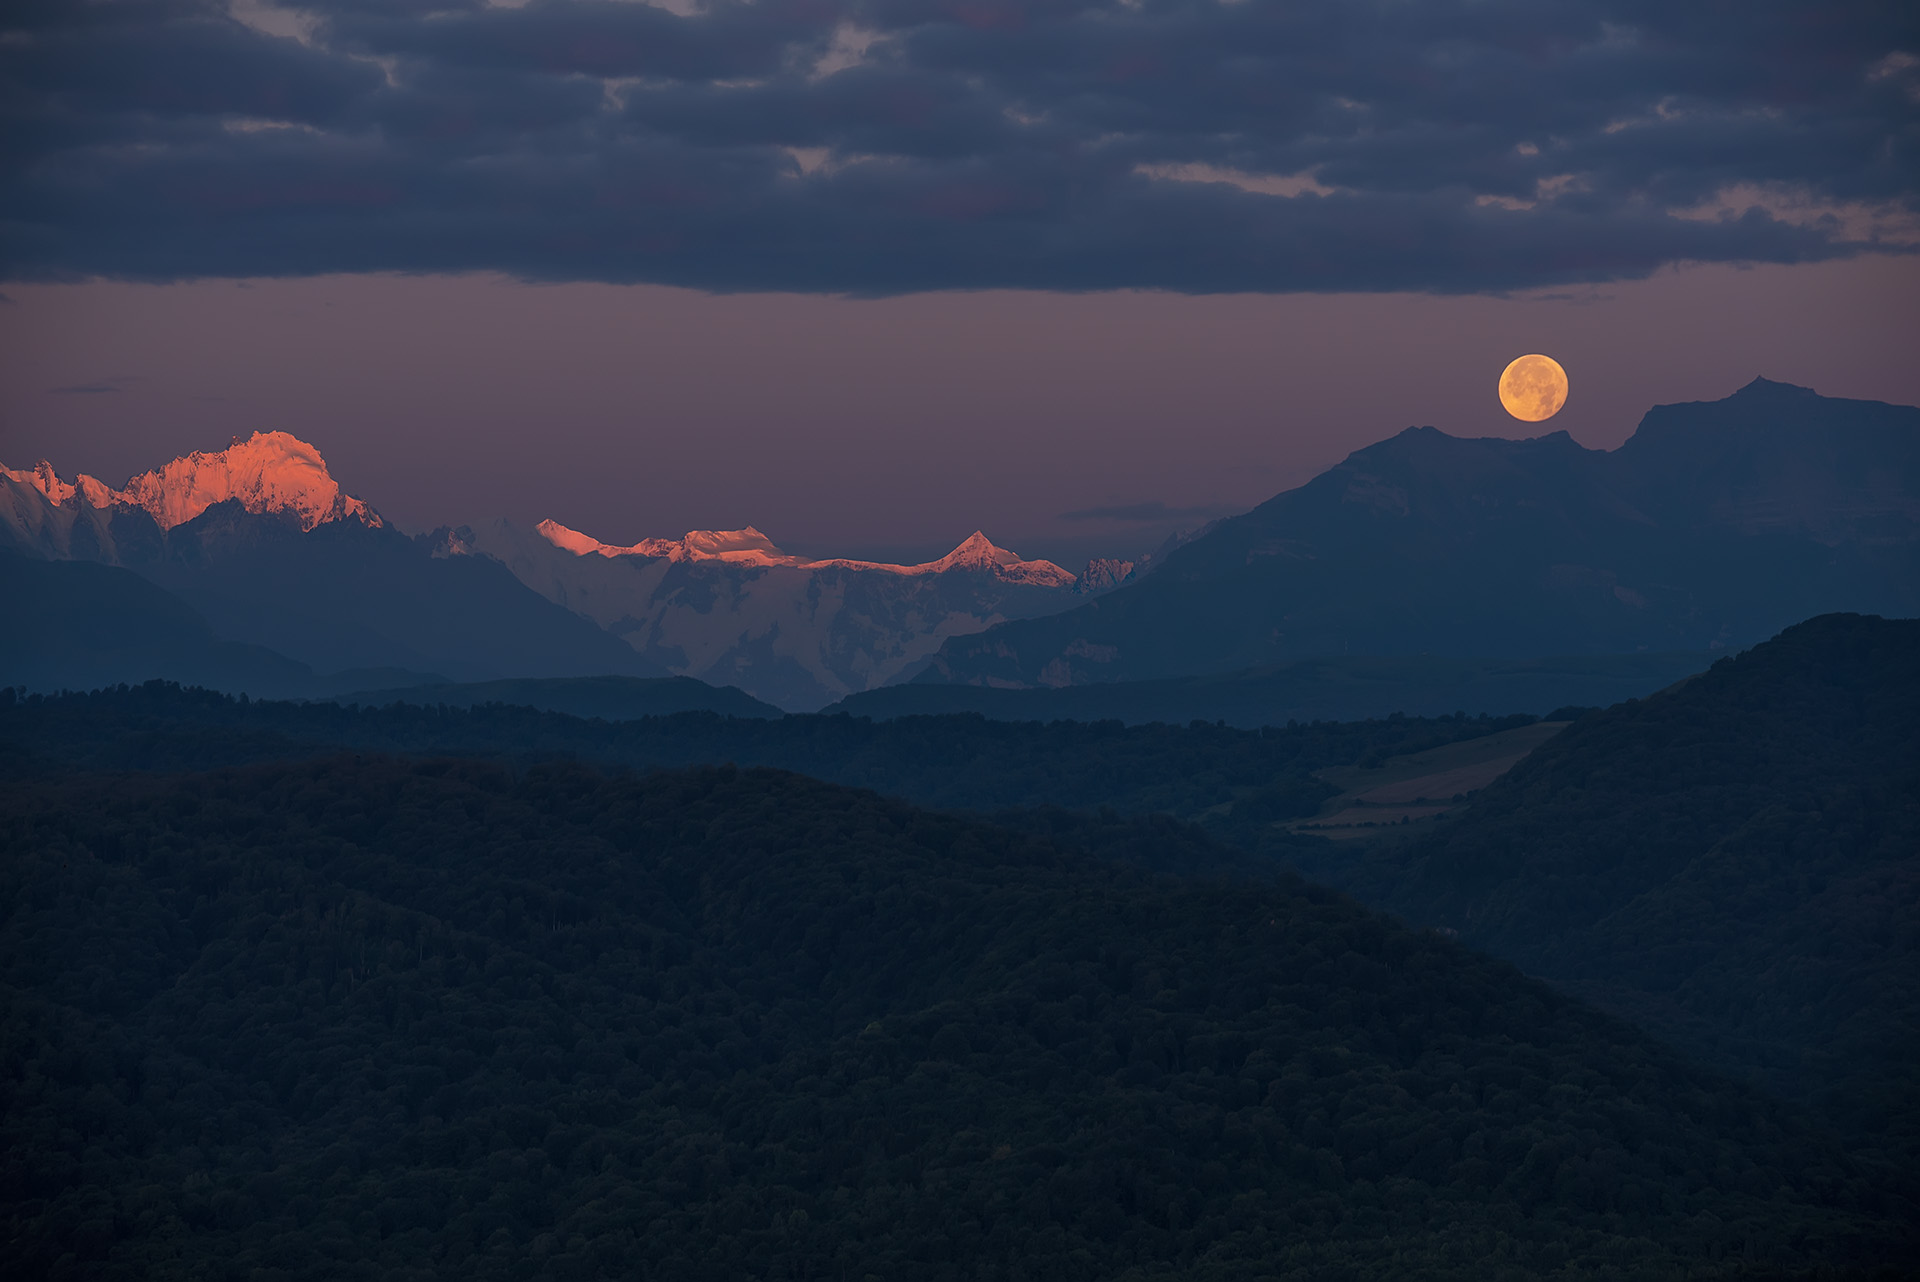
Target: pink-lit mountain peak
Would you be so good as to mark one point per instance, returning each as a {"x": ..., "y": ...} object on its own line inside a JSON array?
[
  {"x": 751, "y": 547},
  {"x": 747, "y": 546},
  {"x": 268, "y": 472},
  {"x": 976, "y": 552},
  {"x": 41, "y": 477}
]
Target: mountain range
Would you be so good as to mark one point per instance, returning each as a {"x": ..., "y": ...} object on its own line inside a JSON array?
[
  {"x": 731, "y": 608},
  {"x": 261, "y": 542},
  {"x": 262, "y": 546},
  {"x": 1715, "y": 525},
  {"x": 1426, "y": 572}
]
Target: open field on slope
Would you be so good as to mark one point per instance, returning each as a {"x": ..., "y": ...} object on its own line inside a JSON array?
[{"x": 1421, "y": 785}]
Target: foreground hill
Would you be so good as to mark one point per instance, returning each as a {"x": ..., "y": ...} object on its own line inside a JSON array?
[
  {"x": 1734, "y": 864},
  {"x": 365, "y": 1016},
  {"x": 1715, "y": 525}
]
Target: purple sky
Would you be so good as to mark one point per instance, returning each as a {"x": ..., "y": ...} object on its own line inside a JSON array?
[
  {"x": 868, "y": 275},
  {"x": 884, "y": 426}
]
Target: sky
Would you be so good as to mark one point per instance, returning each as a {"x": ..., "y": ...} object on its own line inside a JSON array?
[{"x": 869, "y": 275}]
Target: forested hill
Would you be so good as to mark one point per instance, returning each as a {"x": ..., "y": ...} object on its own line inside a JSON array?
[
  {"x": 1734, "y": 864},
  {"x": 1244, "y": 779},
  {"x": 363, "y": 1016}
]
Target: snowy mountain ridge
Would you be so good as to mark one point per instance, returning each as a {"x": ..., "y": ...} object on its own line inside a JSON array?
[
  {"x": 725, "y": 606},
  {"x": 268, "y": 472},
  {"x": 749, "y": 547}
]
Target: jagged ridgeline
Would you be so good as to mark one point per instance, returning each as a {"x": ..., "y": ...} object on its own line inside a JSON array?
[
  {"x": 372, "y": 1015},
  {"x": 258, "y": 544},
  {"x": 1715, "y": 525}
]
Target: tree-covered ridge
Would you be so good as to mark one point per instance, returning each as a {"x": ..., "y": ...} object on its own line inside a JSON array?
[
  {"x": 1734, "y": 864},
  {"x": 1242, "y": 778},
  {"x": 363, "y": 1016}
]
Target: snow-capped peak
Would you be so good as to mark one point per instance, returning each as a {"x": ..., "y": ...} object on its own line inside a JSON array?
[
  {"x": 730, "y": 545},
  {"x": 41, "y": 477},
  {"x": 747, "y": 546},
  {"x": 976, "y": 552},
  {"x": 268, "y": 472},
  {"x": 751, "y": 547}
]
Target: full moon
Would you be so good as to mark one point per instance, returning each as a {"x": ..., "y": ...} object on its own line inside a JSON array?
[{"x": 1533, "y": 388}]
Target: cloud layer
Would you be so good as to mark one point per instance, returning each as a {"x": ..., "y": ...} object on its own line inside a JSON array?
[{"x": 882, "y": 146}]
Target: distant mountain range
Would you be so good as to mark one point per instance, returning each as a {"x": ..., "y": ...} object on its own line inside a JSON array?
[
  {"x": 1714, "y": 526},
  {"x": 731, "y": 608},
  {"x": 263, "y": 546},
  {"x": 1413, "y": 575}
]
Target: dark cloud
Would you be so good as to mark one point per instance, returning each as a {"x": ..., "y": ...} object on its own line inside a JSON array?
[
  {"x": 1144, "y": 512},
  {"x": 877, "y": 146},
  {"x": 84, "y": 389}
]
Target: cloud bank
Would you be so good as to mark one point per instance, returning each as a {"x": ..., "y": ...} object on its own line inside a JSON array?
[{"x": 882, "y": 146}]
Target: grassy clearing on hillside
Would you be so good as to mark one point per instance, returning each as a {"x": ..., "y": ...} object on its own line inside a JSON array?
[{"x": 1419, "y": 786}]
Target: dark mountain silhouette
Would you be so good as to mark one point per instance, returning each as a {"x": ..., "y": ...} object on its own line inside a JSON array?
[
  {"x": 348, "y": 594},
  {"x": 1331, "y": 689},
  {"x": 79, "y": 625},
  {"x": 1716, "y": 525},
  {"x": 1733, "y": 864}
]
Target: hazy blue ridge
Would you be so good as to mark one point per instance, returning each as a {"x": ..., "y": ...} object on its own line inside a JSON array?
[{"x": 1716, "y": 524}]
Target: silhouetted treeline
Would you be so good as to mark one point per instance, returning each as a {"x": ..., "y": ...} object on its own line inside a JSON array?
[{"x": 960, "y": 761}]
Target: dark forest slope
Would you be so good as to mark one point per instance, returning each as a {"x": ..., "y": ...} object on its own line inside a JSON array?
[
  {"x": 364, "y": 1016},
  {"x": 1734, "y": 864}
]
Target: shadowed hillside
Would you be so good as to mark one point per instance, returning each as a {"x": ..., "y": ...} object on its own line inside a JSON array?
[
  {"x": 1717, "y": 523},
  {"x": 1734, "y": 864},
  {"x": 376, "y": 1016}
]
